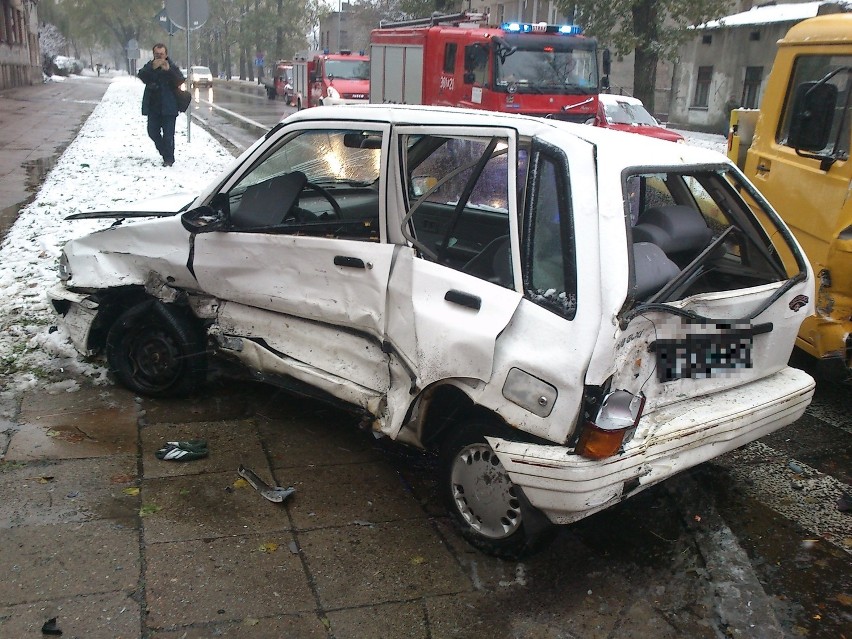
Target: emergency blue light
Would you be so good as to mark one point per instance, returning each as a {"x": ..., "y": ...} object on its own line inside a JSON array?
[
  {"x": 541, "y": 27},
  {"x": 570, "y": 29}
]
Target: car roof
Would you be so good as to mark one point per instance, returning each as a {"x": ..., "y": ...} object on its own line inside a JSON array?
[
  {"x": 624, "y": 149},
  {"x": 609, "y": 98}
]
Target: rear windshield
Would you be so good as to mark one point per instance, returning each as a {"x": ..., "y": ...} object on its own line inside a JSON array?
[{"x": 701, "y": 231}]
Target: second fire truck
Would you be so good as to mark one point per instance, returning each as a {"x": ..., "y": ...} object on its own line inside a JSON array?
[
  {"x": 456, "y": 60},
  {"x": 322, "y": 78}
]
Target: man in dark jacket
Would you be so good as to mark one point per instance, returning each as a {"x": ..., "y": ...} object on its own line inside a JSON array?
[{"x": 161, "y": 77}]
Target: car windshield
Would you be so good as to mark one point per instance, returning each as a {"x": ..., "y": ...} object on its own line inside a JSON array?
[
  {"x": 201, "y": 70},
  {"x": 348, "y": 69},
  {"x": 625, "y": 113},
  {"x": 547, "y": 66}
]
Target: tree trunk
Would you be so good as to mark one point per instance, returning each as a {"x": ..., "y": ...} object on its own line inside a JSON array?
[{"x": 645, "y": 63}]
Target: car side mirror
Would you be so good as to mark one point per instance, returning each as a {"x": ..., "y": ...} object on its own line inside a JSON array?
[
  {"x": 208, "y": 218},
  {"x": 813, "y": 115}
]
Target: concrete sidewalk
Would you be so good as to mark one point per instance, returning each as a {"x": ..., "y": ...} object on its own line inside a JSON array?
[{"x": 98, "y": 533}]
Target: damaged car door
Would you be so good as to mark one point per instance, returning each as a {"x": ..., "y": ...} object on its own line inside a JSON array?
[{"x": 300, "y": 276}]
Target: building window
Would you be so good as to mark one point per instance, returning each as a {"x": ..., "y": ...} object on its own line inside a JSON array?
[
  {"x": 706, "y": 39},
  {"x": 702, "y": 87},
  {"x": 450, "y": 57},
  {"x": 754, "y": 36},
  {"x": 751, "y": 87}
]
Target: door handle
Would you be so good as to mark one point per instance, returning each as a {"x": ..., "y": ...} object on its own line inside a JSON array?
[
  {"x": 463, "y": 299},
  {"x": 351, "y": 262}
]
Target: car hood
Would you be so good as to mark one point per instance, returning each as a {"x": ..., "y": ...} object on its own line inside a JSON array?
[
  {"x": 161, "y": 206},
  {"x": 646, "y": 129}
]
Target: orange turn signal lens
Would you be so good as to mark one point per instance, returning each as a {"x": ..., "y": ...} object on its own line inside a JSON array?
[{"x": 597, "y": 443}]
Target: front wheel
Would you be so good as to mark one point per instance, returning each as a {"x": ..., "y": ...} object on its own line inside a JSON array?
[
  {"x": 491, "y": 513},
  {"x": 156, "y": 350}
]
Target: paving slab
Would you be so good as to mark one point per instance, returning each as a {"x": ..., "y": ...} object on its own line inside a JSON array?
[
  {"x": 58, "y": 561},
  {"x": 207, "y": 506},
  {"x": 220, "y": 400},
  {"x": 66, "y": 491},
  {"x": 388, "y": 621},
  {"x": 102, "y": 616},
  {"x": 390, "y": 562},
  {"x": 303, "y": 626},
  {"x": 316, "y": 435},
  {"x": 341, "y": 494},
  {"x": 91, "y": 422},
  {"x": 228, "y": 579}
]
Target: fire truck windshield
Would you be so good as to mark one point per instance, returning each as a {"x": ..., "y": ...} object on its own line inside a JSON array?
[
  {"x": 347, "y": 69},
  {"x": 547, "y": 69}
]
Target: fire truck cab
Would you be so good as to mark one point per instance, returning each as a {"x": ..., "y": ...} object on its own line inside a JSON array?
[
  {"x": 456, "y": 60},
  {"x": 322, "y": 78}
]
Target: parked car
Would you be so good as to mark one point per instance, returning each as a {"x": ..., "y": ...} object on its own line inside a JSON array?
[
  {"x": 200, "y": 77},
  {"x": 624, "y": 113},
  {"x": 567, "y": 314}
]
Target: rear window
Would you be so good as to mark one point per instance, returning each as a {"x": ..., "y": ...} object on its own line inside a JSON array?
[{"x": 702, "y": 229}]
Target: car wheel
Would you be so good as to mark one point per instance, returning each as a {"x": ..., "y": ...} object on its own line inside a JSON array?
[
  {"x": 491, "y": 513},
  {"x": 156, "y": 350}
]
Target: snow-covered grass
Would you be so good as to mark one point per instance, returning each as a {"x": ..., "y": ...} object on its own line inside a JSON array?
[{"x": 111, "y": 162}]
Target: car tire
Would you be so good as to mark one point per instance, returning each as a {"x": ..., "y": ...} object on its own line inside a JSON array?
[
  {"x": 155, "y": 349},
  {"x": 491, "y": 513}
]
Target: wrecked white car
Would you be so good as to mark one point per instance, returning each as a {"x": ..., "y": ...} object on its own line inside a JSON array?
[{"x": 569, "y": 315}]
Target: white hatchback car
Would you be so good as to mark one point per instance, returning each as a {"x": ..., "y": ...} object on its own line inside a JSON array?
[
  {"x": 568, "y": 314},
  {"x": 200, "y": 77}
]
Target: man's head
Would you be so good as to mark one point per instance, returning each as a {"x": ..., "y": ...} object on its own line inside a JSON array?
[{"x": 160, "y": 51}]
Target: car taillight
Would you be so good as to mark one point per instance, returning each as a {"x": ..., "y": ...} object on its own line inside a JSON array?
[{"x": 613, "y": 425}]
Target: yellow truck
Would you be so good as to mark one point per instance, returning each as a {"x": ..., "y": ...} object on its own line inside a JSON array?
[{"x": 796, "y": 151}]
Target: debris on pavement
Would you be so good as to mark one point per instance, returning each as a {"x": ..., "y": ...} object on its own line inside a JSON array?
[
  {"x": 183, "y": 451},
  {"x": 272, "y": 493},
  {"x": 50, "y": 627}
]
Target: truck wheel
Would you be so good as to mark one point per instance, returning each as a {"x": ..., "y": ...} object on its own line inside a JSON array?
[
  {"x": 155, "y": 350},
  {"x": 490, "y": 511}
]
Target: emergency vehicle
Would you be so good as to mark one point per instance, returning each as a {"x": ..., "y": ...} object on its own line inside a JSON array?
[
  {"x": 457, "y": 60},
  {"x": 322, "y": 78}
]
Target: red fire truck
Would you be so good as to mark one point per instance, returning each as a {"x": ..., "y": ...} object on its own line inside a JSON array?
[
  {"x": 322, "y": 78},
  {"x": 458, "y": 60}
]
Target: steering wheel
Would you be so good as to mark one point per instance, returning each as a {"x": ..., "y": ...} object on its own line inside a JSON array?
[{"x": 328, "y": 196}]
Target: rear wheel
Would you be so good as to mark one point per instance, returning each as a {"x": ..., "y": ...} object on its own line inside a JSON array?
[
  {"x": 156, "y": 350},
  {"x": 491, "y": 513}
]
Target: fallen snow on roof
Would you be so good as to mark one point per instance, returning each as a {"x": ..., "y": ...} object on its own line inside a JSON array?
[{"x": 793, "y": 12}]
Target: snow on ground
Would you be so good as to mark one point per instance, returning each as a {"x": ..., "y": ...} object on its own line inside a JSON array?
[{"x": 111, "y": 162}]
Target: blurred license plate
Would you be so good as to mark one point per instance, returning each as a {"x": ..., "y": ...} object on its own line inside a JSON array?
[{"x": 702, "y": 356}]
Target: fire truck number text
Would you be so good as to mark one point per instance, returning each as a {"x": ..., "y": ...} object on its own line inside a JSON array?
[{"x": 448, "y": 83}]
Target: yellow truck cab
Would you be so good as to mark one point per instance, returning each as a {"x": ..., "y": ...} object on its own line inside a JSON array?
[{"x": 799, "y": 159}]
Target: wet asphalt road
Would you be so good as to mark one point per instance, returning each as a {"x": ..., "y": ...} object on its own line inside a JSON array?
[{"x": 752, "y": 536}]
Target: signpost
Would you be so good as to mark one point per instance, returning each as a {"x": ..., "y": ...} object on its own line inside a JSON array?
[
  {"x": 187, "y": 15},
  {"x": 164, "y": 21}
]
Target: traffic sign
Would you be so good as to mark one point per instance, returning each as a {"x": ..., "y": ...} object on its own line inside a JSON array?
[
  {"x": 163, "y": 20},
  {"x": 193, "y": 13}
]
